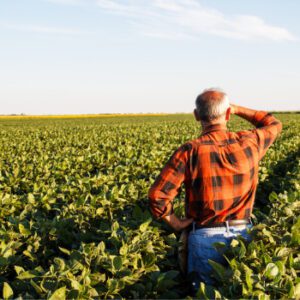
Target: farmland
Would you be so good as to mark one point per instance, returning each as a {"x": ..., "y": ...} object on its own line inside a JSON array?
[{"x": 75, "y": 221}]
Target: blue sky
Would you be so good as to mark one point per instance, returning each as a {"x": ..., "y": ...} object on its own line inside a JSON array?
[{"x": 101, "y": 56}]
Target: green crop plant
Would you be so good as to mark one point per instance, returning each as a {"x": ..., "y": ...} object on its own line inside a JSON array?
[{"x": 75, "y": 222}]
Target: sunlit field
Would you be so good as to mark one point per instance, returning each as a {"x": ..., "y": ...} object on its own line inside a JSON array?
[{"x": 75, "y": 221}]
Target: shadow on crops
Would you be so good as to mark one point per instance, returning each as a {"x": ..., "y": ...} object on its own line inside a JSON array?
[
  {"x": 280, "y": 179},
  {"x": 159, "y": 285}
]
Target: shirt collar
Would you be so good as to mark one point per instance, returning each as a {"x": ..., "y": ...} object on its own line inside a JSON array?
[{"x": 214, "y": 127}]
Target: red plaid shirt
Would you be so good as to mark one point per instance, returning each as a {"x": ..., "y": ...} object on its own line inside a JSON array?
[{"x": 219, "y": 170}]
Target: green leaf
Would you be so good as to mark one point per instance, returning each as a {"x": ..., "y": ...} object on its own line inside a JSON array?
[
  {"x": 38, "y": 289},
  {"x": 208, "y": 292},
  {"x": 75, "y": 285},
  {"x": 171, "y": 274},
  {"x": 19, "y": 270},
  {"x": 219, "y": 269},
  {"x": 28, "y": 254},
  {"x": 283, "y": 252},
  {"x": 115, "y": 226},
  {"x": 101, "y": 247},
  {"x": 137, "y": 213},
  {"x": 171, "y": 239},
  {"x": 248, "y": 277},
  {"x": 262, "y": 296},
  {"x": 7, "y": 291},
  {"x": 219, "y": 246},
  {"x": 297, "y": 291},
  {"x": 117, "y": 263},
  {"x": 26, "y": 275},
  {"x": 59, "y": 294},
  {"x": 273, "y": 197},
  {"x": 165, "y": 281},
  {"x": 202, "y": 293},
  {"x": 291, "y": 289},
  {"x": 24, "y": 231},
  {"x": 245, "y": 291},
  {"x": 281, "y": 267},
  {"x": 149, "y": 259},
  {"x": 3, "y": 261},
  {"x": 30, "y": 198},
  {"x": 234, "y": 243},
  {"x": 100, "y": 211},
  {"x": 124, "y": 249},
  {"x": 112, "y": 285},
  {"x": 65, "y": 251},
  {"x": 271, "y": 271},
  {"x": 93, "y": 293},
  {"x": 144, "y": 226},
  {"x": 241, "y": 251},
  {"x": 296, "y": 232},
  {"x": 60, "y": 263}
]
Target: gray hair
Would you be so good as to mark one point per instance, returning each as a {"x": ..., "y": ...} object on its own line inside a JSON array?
[{"x": 211, "y": 104}]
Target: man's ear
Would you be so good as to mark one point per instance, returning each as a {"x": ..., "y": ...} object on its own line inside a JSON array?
[
  {"x": 228, "y": 113},
  {"x": 196, "y": 115}
]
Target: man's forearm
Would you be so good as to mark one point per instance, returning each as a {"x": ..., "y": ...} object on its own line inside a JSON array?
[{"x": 243, "y": 112}]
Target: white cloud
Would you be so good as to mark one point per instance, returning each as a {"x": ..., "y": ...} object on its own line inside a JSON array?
[
  {"x": 66, "y": 2},
  {"x": 180, "y": 19}
]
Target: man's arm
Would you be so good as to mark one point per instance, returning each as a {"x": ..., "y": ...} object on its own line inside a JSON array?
[
  {"x": 176, "y": 223},
  {"x": 165, "y": 188},
  {"x": 243, "y": 112},
  {"x": 267, "y": 126}
]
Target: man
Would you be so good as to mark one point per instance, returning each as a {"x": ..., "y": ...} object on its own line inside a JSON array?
[{"x": 220, "y": 172}]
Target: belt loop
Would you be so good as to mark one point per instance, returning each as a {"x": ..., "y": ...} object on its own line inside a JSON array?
[
  {"x": 227, "y": 226},
  {"x": 194, "y": 227}
]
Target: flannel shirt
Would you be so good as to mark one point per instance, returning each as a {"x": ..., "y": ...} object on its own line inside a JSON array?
[{"x": 219, "y": 170}]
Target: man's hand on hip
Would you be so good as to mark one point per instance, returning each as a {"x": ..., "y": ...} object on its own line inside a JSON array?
[{"x": 176, "y": 223}]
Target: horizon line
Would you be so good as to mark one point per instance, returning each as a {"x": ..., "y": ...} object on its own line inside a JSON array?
[{"x": 87, "y": 115}]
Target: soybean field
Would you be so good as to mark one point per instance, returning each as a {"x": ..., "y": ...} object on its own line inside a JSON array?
[{"x": 75, "y": 220}]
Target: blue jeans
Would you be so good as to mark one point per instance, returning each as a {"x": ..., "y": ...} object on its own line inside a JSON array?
[{"x": 200, "y": 249}]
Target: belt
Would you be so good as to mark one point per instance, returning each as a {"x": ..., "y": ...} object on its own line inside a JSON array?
[{"x": 223, "y": 224}]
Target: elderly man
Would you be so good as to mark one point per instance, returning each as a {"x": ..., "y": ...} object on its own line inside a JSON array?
[{"x": 220, "y": 172}]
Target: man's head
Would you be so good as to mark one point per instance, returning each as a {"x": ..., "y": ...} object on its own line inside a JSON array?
[{"x": 212, "y": 106}]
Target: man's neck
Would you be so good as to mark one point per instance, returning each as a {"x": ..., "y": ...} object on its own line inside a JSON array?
[{"x": 217, "y": 125}]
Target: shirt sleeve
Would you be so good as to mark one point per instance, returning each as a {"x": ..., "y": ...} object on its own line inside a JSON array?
[
  {"x": 267, "y": 130},
  {"x": 167, "y": 184}
]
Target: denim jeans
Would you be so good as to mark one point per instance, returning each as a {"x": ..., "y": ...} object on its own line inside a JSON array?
[{"x": 200, "y": 249}]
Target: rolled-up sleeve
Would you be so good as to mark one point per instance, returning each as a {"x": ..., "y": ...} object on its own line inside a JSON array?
[
  {"x": 267, "y": 130},
  {"x": 167, "y": 184}
]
